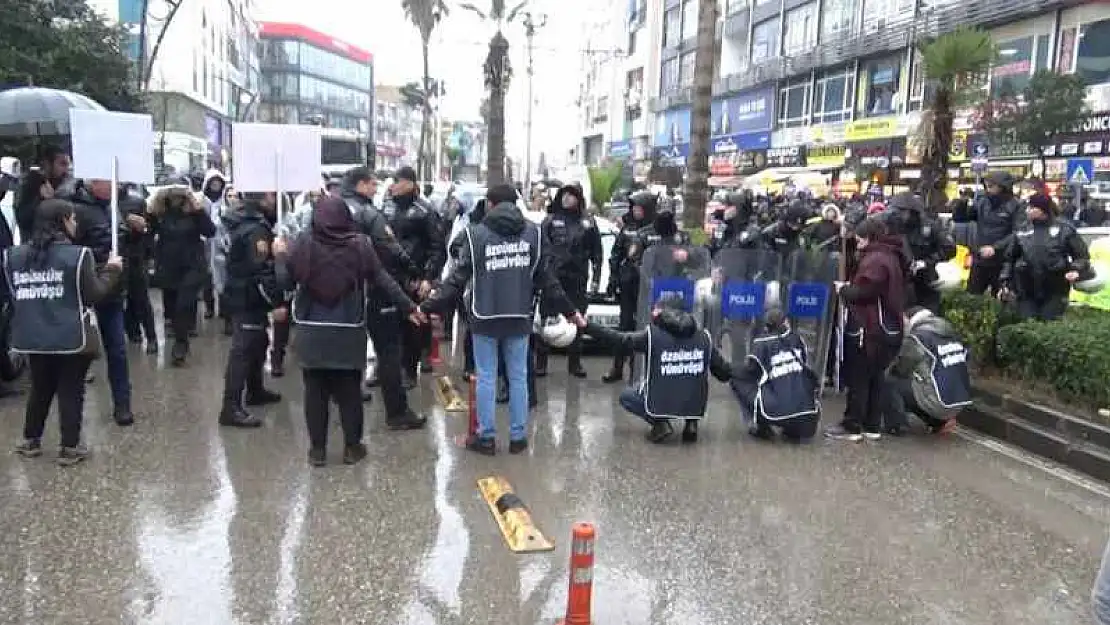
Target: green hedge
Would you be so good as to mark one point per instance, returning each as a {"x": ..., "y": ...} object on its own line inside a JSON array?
[{"x": 1070, "y": 356}]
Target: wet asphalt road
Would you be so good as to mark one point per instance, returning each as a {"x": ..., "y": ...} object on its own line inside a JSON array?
[{"x": 177, "y": 521}]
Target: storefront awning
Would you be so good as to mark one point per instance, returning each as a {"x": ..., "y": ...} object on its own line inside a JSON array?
[{"x": 777, "y": 173}]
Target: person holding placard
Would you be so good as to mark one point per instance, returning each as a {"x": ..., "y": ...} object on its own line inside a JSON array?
[
  {"x": 92, "y": 204},
  {"x": 53, "y": 282},
  {"x": 251, "y": 293}
]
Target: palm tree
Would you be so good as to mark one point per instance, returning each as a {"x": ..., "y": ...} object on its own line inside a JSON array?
[
  {"x": 498, "y": 72},
  {"x": 425, "y": 15},
  {"x": 697, "y": 167},
  {"x": 954, "y": 65}
]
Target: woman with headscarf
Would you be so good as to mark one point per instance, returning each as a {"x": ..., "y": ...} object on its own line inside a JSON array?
[
  {"x": 54, "y": 284},
  {"x": 330, "y": 262}
]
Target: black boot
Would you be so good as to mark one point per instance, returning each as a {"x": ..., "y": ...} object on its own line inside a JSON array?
[
  {"x": 661, "y": 430},
  {"x": 409, "y": 421},
  {"x": 178, "y": 353},
  {"x": 262, "y": 397},
  {"x": 123, "y": 417},
  {"x": 277, "y": 364},
  {"x": 690, "y": 432},
  {"x": 236, "y": 417},
  {"x": 616, "y": 374},
  {"x": 574, "y": 366}
]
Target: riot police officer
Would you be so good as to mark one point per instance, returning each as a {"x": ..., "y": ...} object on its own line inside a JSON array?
[
  {"x": 1045, "y": 259},
  {"x": 417, "y": 228},
  {"x": 252, "y": 292},
  {"x": 997, "y": 215},
  {"x": 573, "y": 246},
  {"x": 735, "y": 229},
  {"x": 662, "y": 231},
  {"x": 624, "y": 276},
  {"x": 928, "y": 242},
  {"x": 785, "y": 235}
]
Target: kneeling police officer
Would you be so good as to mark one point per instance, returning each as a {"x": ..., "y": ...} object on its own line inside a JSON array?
[
  {"x": 776, "y": 387},
  {"x": 680, "y": 357},
  {"x": 252, "y": 292}
]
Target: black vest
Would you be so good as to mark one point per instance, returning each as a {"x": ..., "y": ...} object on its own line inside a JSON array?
[
  {"x": 49, "y": 312},
  {"x": 950, "y": 377},
  {"x": 677, "y": 382},
  {"x": 330, "y": 337},
  {"x": 504, "y": 268},
  {"x": 787, "y": 388}
]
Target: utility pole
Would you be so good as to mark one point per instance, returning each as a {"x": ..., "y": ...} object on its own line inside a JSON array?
[{"x": 531, "y": 24}]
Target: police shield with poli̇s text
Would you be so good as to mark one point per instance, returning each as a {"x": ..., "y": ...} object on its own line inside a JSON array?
[
  {"x": 776, "y": 387},
  {"x": 53, "y": 284},
  {"x": 930, "y": 377}
]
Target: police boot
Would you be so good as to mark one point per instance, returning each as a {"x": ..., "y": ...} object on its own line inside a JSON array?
[
  {"x": 236, "y": 417},
  {"x": 178, "y": 353},
  {"x": 690, "y": 432},
  {"x": 616, "y": 373},
  {"x": 262, "y": 397},
  {"x": 277, "y": 363},
  {"x": 574, "y": 366}
]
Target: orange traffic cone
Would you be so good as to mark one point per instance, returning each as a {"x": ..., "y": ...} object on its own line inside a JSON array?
[{"x": 581, "y": 589}]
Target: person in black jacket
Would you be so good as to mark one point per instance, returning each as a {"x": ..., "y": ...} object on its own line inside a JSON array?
[
  {"x": 737, "y": 229},
  {"x": 997, "y": 215},
  {"x": 330, "y": 264},
  {"x": 92, "y": 203},
  {"x": 573, "y": 244},
  {"x": 929, "y": 244},
  {"x": 180, "y": 262},
  {"x": 138, "y": 314},
  {"x": 1045, "y": 259},
  {"x": 624, "y": 274},
  {"x": 680, "y": 357},
  {"x": 47, "y": 182},
  {"x": 252, "y": 291}
]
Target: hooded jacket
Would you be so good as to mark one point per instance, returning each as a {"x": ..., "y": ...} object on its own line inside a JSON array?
[
  {"x": 876, "y": 295},
  {"x": 915, "y": 363},
  {"x": 181, "y": 225},
  {"x": 507, "y": 221},
  {"x": 570, "y": 238},
  {"x": 677, "y": 323}
]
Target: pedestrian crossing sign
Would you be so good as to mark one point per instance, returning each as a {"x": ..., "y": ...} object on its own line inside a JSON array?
[{"x": 1080, "y": 170}]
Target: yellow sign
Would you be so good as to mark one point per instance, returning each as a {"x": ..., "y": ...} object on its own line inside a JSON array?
[
  {"x": 958, "y": 152},
  {"x": 825, "y": 156},
  {"x": 869, "y": 129}
]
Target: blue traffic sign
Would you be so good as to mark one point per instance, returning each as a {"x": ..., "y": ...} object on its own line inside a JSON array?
[
  {"x": 980, "y": 149},
  {"x": 1081, "y": 170},
  {"x": 807, "y": 300},
  {"x": 681, "y": 288},
  {"x": 743, "y": 300}
]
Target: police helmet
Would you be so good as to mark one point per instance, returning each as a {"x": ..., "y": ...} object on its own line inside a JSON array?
[
  {"x": 949, "y": 277},
  {"x": 558, "y": 332}
]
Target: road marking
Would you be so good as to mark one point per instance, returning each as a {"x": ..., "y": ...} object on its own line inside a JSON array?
[{"x": 1032, "y": 460}]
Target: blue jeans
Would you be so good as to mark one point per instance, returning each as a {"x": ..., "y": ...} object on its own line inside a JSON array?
[
  {"x": 515, "y": 351},
  {"x": 109, "y": 316},
  {"x": 632, "y": 400}
]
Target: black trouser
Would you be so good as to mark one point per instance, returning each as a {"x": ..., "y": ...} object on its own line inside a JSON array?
[
  {"x": 245, "y": 358},
  {"x": 180, "y": 306},
  {"x": 628, "y": 300},
  {"x": 575, "y": 288},
  {"x": 900, "y": 403},
  {"x": 61, "y": 376},
  {"x": 415, "y": 342},
  {"x": 984, "y": 274},
  {"x": 281, "y": 341},
  {"x": 209, "y": 295},
  {"x": 320, "y": 387},
  {"x": 865, "y": 375},
  {"x": 1048, "y": 309},
  {"x": 745, "y": 392},
  {"x": 385, "y": 332},
  {"x": 138, "y": 314}
]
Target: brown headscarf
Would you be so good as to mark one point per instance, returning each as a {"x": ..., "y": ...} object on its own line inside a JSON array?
[{"x": 333, "y": 257}]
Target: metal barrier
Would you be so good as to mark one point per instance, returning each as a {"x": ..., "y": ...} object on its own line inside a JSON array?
[{"x": 681, "y": 271}]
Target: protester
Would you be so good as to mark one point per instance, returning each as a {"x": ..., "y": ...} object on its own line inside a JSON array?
[
  {"x": 873, "y": 333},
  {"x": 213, "y": 193},
  {"x": 1046, "y": 257},
  {"x": 47, "y": 182},
  {"x": 138, "y": 314},
  {"x": 997, "y": 215},
  {"x": 929, "y": 377},
  {"x": 680, "y": 357},
  {"x": 776, "y": 386},
  {"x": 220, "y": 245},
  {"x": 180, "y": 224},
  {"x": 329, "y": 264},
  {"x": 54, "y": 283},
  {"x": 252, "y": 292},
  {"x": 501, "y": 260}
]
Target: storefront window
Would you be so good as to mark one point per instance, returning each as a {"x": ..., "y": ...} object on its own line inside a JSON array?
[
  {"x": 332, "y": 66},
  {"x": 882, "y": 87},
  {"x": 668, "y": 79},
  {"x": 765, "y": 40},
  {"x": 838, "y": 18},
  {"x": 686, "y": 70},
  {"x": 1093, "y": 61},
  {"x": 689, "y": 19},
  {"x": 800, "y": 29},
  {"x": 672, "y": 28},
  {"x": 832, "y": 100},
  {"x": 1011, "y": 71},
  {"x": 793, "y": 103}
]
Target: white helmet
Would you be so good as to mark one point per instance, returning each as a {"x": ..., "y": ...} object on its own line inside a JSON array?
[
  {"x": 704, "y": 296},
  {"x": 558, "y": 332},
  {"x": 773, "y": 297},
  {"x": 949, "y": 276},
  {"x": 1095, "y": 283}
]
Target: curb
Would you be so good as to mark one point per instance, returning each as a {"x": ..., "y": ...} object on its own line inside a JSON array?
[{"x": 1075, "y": 442}]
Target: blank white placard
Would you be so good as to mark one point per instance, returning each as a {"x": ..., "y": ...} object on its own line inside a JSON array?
[
  {"x": 255, "y": 150},
  {"x": 99, "y": 135}
]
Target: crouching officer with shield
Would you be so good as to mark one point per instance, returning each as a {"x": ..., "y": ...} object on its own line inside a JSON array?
[
  {"x": 680, "y": 357},
  {"x": 52, "y": 284},
  {"x": 777, "y": 387},
  {"x": 929, "y": 377}
]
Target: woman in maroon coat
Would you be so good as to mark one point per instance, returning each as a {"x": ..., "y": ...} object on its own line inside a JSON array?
[{"x": 873, "y": 332}]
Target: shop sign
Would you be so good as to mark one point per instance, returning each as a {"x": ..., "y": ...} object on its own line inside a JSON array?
[
  {"x": 793, "y": 156},
  {"x": 733, "y": 143},
  {"x": 620, "y": 149},
  {"x": 880, "y": 153},
  {"x": 871, "y": 129},
  {"x": 672, "y": 155},
  {"x": 826, "y": 155},
  {"x": 738, "y": 163}
]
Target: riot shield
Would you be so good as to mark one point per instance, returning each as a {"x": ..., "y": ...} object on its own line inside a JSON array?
[
  {"x": 681, "y": 271},
  {"x": 809, "y": 301},
  {"x": 747, "y": 282}
]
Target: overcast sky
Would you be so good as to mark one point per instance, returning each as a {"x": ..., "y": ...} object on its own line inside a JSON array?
[{"x": 380, "y": 27}]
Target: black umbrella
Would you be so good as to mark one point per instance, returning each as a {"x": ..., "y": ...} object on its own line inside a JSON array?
[{"x": 39, "y": 112}]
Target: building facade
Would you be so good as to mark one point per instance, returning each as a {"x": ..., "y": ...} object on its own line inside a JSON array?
[
  {"x": 311, "y": 78},
  {"x": 835, "y": 87},
  {"x": 397, "y": 129}
]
